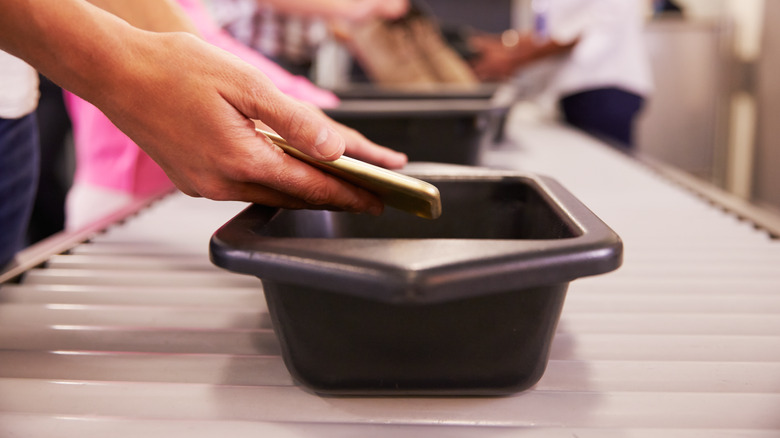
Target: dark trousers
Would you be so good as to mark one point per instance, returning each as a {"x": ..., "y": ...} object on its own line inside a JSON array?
[
  {"x": 606, "y": 113},
  {"x": 18, "y": 182},
  {"x": 56, "y": 173}
]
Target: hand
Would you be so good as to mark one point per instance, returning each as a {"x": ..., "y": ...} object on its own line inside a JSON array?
[
  {"x": 494, "y": 61},
  {"x": 189, "y": 105},
  {"x": 498, "y": 60}
]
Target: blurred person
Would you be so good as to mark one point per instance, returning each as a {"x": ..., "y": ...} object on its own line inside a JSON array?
[
  {"x": 290, "y": 31},
  {"x": 666, "y": 7},
  {"x": 56, "y": 167},
  {"x": 19, "y": 152},
  {"x": 188, "y": 104},
  {"x": 603, "y": 76}
]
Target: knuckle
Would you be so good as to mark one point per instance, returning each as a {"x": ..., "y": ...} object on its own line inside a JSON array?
[
  {"x": 296, "y": 123},
  {"x": 318, "y": 193}
]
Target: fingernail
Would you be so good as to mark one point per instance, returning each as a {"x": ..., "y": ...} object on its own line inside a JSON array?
[{"x": 329, "y": 143}]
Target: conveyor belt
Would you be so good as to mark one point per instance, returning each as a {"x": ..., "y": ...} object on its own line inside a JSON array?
[{"x": 135, "y": 333}]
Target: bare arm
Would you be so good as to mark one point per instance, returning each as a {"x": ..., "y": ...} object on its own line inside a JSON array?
[
  {"x": 188, "y": 104},
  {"x": 354, "y": 10},
  {"x": 498, "y": 61}
]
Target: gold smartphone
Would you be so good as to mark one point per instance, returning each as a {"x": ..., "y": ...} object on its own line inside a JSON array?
[{"x": 394, "y": 189}]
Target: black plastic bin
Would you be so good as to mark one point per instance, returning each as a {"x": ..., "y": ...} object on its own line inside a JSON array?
[
  {"x": 444, "y": 129},
  {"x": 373, "y": 91},
  {"x": 463, "y": 305}
]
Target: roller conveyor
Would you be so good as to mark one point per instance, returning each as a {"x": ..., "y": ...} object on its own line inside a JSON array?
[{"x": 133, "y": 332}]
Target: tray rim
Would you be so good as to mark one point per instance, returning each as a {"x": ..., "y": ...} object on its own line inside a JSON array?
[{"x": 596, "y": 250}]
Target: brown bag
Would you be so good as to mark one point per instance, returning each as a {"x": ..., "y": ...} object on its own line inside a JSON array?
[{"x": 410, "y": 51}]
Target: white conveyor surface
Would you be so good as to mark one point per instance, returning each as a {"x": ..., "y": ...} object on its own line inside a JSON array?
[{"x": 135, "y": 333}]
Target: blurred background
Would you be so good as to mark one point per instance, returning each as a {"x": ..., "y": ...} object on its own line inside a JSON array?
[{"x": 715, "y": 99}]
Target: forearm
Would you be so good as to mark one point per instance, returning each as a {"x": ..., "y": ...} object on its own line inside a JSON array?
[
  {"x": 80, "y": 46},
  {"x": 355, "y": 10},
  {"x": 552, "y": 48},
  {"x": 529, "y": 50},
  {"x": 60, "y": 38}
]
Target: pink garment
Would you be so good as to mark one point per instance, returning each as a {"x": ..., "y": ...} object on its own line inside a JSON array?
[
  {"x": 107, "y": 158},
  {"x": 295, "y": 86}
]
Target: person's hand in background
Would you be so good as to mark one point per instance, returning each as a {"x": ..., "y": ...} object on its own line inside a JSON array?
[
  {"x": 494, "y": 61},
  {"x": 499, "y": 57},
  {"x": 350, "y": 10}
]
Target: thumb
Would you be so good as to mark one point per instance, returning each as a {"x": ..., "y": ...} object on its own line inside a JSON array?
[{"x": 304, "y": 128}]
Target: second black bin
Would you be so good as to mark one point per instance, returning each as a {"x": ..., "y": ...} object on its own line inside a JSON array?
[
  {"x": 443, "y": 129},
  {"x": 463, "y": 305}
]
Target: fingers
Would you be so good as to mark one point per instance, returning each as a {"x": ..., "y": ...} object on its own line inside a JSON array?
[
  {"x": 304, "y": 128},
  {"x": 287, "y": 175},
  {"x": 357, "y": 145},
  {"x": 260, "y": 194},
  {"x": 252, "y": 169}
]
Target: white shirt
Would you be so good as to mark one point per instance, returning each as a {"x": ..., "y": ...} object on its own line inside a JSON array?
[
  {"x": 18, "y": 87},
  {"x": 610, "y": 52}
]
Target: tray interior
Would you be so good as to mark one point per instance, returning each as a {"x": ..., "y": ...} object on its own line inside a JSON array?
[{"x": 512, "y": 209}]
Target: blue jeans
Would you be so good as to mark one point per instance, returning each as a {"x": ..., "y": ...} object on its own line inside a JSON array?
[
  {"x": 606, "y": 113},
  {"x": 18, "y": 182}
]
